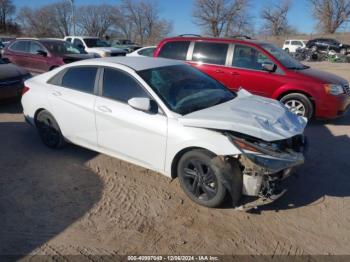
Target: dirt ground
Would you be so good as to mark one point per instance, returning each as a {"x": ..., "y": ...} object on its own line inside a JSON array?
[{"x": 75, "y": 201}]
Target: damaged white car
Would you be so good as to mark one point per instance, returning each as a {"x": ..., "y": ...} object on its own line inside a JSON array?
[{"x": 169, "y": 117}]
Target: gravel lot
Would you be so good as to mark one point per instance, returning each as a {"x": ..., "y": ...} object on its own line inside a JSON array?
[{"x": 75, "y": 201}]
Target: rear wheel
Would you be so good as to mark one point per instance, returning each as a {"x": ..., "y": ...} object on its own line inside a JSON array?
[
  {"x": 49, "y": 130},
  {"x": 298, "y": 104},
  {"x": 201, "y": 179},
  {"x": 287, "y": 50}
]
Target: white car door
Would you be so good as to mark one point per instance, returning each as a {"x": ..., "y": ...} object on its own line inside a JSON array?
[
  {"x": 135, "y": 136},
  {"x": 72, "y": 103}
]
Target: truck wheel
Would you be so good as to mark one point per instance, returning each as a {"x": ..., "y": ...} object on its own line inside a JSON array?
[
  {"x": 287, "y": 50},
  {"x": 298, "y": 104},
  {"x": 343, "y": 51}
]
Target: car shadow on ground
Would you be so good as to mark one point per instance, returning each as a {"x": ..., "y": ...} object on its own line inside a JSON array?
[
  {"x": 326, "y": 169},
  {"x": 42, "y": 191},
  {"x": 12, "y": 106}
]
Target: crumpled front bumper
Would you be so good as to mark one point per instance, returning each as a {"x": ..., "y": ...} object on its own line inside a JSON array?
[{"x": 262, "y": 175}]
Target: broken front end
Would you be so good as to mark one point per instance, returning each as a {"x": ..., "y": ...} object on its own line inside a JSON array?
[{"x": 265, "y": 164}]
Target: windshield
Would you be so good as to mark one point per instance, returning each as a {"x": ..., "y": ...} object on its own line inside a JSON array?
[
  {"x": 62, "y": 48},
  {"x": 285, "y": 59},
  {"x": 185, "y": 89},
  {"x": 95, "y": 42}
]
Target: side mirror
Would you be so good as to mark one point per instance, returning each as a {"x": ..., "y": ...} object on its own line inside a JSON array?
[
  {"x": 269, "y": 67},
  {"x": 42, "y": 53},
  {"x": 143, "y": 104}
]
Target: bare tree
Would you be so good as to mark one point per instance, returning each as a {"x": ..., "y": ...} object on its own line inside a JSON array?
[
  {"x": 330, "y": 14},
  {"x": 221, "y": 17},
  {"x": 144, "y": 17},
  {"x": 61, "y": 14},
  {"x": 95, "y": 20},
  {"x": 35, "y": 22},
  {"x": 7, "y": 9},
  {"x": 275, "y": 18}
]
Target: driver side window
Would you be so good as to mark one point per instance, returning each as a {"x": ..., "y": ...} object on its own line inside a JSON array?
[
  {"x": 247, "y": 57},
  {"x": 78, "y": 43},
  {"x": 120, "y": 86}
]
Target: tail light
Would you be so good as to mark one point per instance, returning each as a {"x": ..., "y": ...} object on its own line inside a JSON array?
[{"x": 25, "y": 90}]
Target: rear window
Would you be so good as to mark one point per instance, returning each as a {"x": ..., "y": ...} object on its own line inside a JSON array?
[
  {"x": 80, "y": 79},
  {"x": 287, "y": 42},
  {"x": 175, "y": 50},
  {"x": 211, "y": 53},
  {"x": 21, "y": 46}
]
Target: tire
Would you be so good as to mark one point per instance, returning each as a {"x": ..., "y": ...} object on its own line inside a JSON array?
[
  {"x": 49, "y": 130},
  {"x": 343, "y": 51},
  {"x": 314, "y": 48},
  {"x": 201, "y": 179},
  {"x": 299, "y": 104},
  {"x": 287, "y": 50}
]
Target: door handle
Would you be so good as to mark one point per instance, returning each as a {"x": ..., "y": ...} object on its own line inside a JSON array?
[
  {"x": 235, "y": 73},
  {"x": 104, "y": 109},
  {"x": 56, "y": 93},
  {"x": 218, "y": 71}
]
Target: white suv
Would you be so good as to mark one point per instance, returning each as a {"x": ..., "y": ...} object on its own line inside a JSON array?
[
  {"x": 95, "y": 46},
  {"x": 291, "y": 46}
]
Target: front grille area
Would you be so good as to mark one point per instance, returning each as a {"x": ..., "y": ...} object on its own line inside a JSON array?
[{"x": 347, "y": 90}]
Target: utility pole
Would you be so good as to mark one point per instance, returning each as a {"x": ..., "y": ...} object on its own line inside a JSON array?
[{"x": 73, "y": 15}]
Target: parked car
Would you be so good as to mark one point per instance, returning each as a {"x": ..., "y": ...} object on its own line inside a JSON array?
[
  {"x": 171, "y": 118},
  {"x": 42, "y": 55},
  {"x": 326, "y": 44},
  {"x": 145, "y": 51},
  {"x": 94, "y": 46},
  {"x": 291, "y": 46},
  {"x": 12, "y": 78},
  {"x": 125, "y": 44},
  {"x": 265, "y": 70}
]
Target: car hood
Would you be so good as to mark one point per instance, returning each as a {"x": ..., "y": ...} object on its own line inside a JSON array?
[
  {"x": 8, "y": 71},
  {"x": 248, "y": 114},
  {"x": 107, "y": 49},
  {"x": 324, "y": 77}
]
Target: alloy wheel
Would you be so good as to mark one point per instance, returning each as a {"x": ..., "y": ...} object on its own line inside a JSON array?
[
  {"x": 296, "y": 107},
  {"x": 200, "y": 180}
]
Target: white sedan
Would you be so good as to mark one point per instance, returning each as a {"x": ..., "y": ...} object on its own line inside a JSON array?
[
  {"x": 144, "y": 51},
  {"x": 167, "y": 116}
]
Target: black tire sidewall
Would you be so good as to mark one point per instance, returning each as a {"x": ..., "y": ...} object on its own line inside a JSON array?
[
  {"x": 46, "y": 115},
  {"x": 309, "y": 110},
  {"x": 206, "y": 157}
]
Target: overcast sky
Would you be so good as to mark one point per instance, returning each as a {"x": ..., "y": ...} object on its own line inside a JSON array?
[{"x": 179, "y": 11}]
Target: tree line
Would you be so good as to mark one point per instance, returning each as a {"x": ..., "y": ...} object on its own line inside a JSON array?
[{"x": 141, "y": 21}]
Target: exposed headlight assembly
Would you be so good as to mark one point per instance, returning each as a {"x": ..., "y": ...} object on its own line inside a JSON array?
[{"x": 333, "y": 89}]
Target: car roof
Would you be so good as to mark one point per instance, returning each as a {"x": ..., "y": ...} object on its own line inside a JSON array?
[
  {"x": 135, "y": 63},
  {"x": 216, "y": 39}
]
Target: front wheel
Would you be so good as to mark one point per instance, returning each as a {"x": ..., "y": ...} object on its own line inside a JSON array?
[
  {"x": 298, "y": 104},
  {"x": 202, "y": 179}
]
